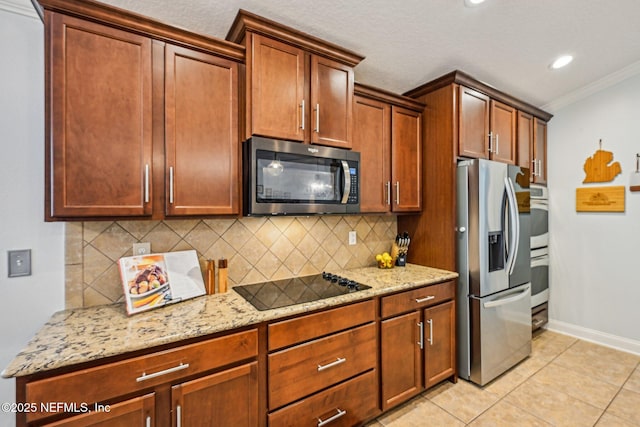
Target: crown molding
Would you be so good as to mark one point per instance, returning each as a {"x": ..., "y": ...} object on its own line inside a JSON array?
[
  {"x": 595, "y": 87},
  {"x": 19, "y": 8}
]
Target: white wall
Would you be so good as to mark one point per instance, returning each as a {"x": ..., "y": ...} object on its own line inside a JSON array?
[
  {"x": 25, "y": 303},
  {"x": 595, "y": 257}
]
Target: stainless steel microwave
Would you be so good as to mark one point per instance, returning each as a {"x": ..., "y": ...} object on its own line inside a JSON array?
[{"x": 291, "y": 178}]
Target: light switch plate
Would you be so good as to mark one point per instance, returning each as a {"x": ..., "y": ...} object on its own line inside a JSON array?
[
  {"x": 352, "y": 238},
  {"x": 19, "y": 263}
]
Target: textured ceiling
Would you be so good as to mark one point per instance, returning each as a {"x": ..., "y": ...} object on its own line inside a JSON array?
[{"x": 508, "y": 44}]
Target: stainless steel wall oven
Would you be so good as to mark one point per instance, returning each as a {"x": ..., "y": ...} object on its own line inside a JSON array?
[{"x": 539, "y": 255}]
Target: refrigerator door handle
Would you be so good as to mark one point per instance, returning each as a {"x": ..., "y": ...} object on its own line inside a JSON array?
[
  {"x": 514, "y": 235},
  {"x": 507, "y": 300}
]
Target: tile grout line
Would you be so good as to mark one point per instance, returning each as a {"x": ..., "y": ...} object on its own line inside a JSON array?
[{"x": 616, "y": 395}]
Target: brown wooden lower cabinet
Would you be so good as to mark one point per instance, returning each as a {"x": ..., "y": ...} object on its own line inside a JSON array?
[
  {"x": 139, "y": 411},
  {"x": 401, "y": 358},
  {"x": 417, "y": 346},
  {"x": 347, "y": 404},
  {"x": 439, "y": 343},
  {"x": 196, "y": 381},
  {"x": 227, "y": 398}
]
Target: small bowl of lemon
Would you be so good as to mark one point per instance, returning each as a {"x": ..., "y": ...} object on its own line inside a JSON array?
[{"x": 384, "y": 260}]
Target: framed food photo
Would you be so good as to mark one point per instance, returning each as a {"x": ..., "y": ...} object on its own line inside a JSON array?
[{"x": 154, "y": 280}]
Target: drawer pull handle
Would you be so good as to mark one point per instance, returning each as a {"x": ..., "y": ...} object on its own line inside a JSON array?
[
  {"x": 538, "y": 322},
  {"x": 340, "y": 413},
  {"x": 145, "y": 377},
  {"x": 425, "y": 299},
  {"x": 336, "y": 362}
]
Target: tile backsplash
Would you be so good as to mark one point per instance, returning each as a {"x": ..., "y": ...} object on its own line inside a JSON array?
[{"x": 258, "y": 249}]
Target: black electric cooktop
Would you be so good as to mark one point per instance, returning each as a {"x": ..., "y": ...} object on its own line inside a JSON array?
[{"x": 297, "y": 290}]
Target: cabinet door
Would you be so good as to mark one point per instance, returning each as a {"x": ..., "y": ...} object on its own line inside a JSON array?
[
  {"x": 372, "y": 139},
  {"x": 139, "y": 411},
  {"x": 201, "y": 133},
  {"x": 400, "y": 359},
  {"x": 473, "y": 124},
  {"x": 439, "y": 343},
  {"x": 503, "y": 132},
  {"x": 227, "y": 398},
  {"x": 406, "y": 159},
  {"x": 99, "y": 106},
  {"x": 277, "y": 93},
  {"x": 525, "y": 140},
  {"x": 540, "y": 150},
  {"x": 331, "y": 102}
]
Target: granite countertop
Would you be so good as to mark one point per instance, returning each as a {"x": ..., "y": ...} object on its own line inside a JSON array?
[{"x": 80, "y": 335}]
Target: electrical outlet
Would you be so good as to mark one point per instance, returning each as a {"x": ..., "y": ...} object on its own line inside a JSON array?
[
  {"x": 20, "y": 263},
  {"x": 142, "y": 248},
  {"x": 352, "y": 238}
]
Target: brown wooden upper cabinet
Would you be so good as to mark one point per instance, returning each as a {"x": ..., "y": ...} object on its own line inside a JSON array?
[
  {"x": 137, "y": 127},
  {"x": 539, "y": 152},
  {"x": 525, "y": 140},
  {"x": 201, "y": 133},
  {"x": 299, "y": 88},
  {"x": 99, "y": 99},
  {"x": 487, "y": 127},
  {"x": 388, "y": 135}
]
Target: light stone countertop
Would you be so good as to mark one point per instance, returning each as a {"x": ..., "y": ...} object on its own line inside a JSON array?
[{"x": 80, "y": 335}]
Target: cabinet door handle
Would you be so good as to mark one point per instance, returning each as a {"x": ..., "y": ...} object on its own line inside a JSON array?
[
  {"x": 421, "y": 342},
  {"x": 317, "y": 129},
  {"x": 490, "y": 142},
  {"x": 497, "y": 144},
  {"x": 339, "y": 414},
  {"x": 148, "y": 422},
  {"x": 336, "y": 362},
  {"x": 146, "y": 183},
  {"x": 425, "y": 299},
  {"x": 533, "y": 164},
  {"x": 171, "y": 185},
  {"x": 388, "y": 185},
  {"x": 398, "y": 193},
  {"x": 302, "y": 114},
  {"x": 539, "y": 167},
  {"x": 178, "y": 416},
  {"x": 145, "y": 377},
  {"x": 430, "y": 322}
]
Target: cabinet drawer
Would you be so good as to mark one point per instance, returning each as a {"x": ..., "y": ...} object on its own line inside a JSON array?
[
  {"x": 417, "y": 298},
  {"x": 300, "y": 329},
  {"x": 309, "y": 367},
  {"x": 127, "y": 376},
  {"x": 349, "y": 404}
]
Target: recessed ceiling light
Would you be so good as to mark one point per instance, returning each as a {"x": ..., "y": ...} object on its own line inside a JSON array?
[
  {"x": 472, "y": 3},
  {"x": 561, "y": 61}
]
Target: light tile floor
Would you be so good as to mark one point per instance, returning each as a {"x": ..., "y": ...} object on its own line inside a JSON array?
[{"x": 565, "y": 382}]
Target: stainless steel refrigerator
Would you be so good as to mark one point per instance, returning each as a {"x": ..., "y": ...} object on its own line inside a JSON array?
[{"x": 493, "y": 260}]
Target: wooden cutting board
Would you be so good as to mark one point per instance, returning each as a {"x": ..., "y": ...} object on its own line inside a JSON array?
[{"x": 600, "y": 199}]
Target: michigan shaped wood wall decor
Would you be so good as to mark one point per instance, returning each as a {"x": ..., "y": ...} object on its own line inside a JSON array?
[{"x": 599, "y": 167}]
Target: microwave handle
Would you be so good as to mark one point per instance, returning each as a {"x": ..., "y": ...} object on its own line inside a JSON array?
[{"x": 347, "y": 182}]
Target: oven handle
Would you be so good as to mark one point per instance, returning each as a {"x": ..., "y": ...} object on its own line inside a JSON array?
[{"x": 347, "y": 182}]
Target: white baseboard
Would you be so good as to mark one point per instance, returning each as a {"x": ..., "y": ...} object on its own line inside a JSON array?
[{"x": 597, "y": 337}]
